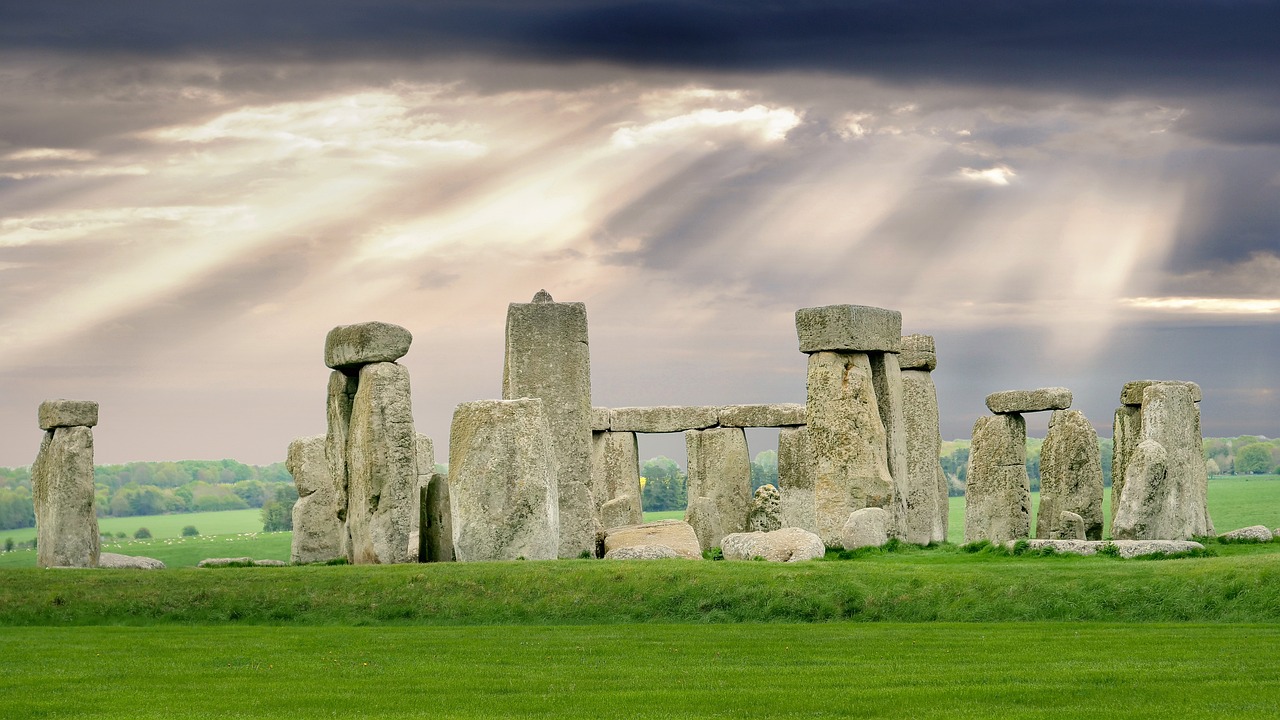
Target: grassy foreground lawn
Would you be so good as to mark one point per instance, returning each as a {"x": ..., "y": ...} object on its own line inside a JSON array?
[{"x": 1024, "y": 670}]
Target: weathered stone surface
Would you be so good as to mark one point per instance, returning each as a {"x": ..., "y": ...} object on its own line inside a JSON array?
[
  {"x": 318, "y": 529},
  {"x": 765, "y": 514},
  {"x": 1025, "y": 401},
  {"x": 347, "y": 347},
  {"x": 225, "y": 562},
  {"x": 846, "y": 440},
  {"x": 720, "y": 469},
  {"x": 795, "y": 475},
  {"x": 917, "y": 353},
  {"x": 620, "y": 511},
  {"x": 1126, "y": 433},
  {"x": 848, "y": 328},
  {"x": 601, "y": 419},
  {"x": 1147, "y": 507},
  {"x": 341, "y": 396},
  {"x": 889, "y": 399},
  {"x": 437, "y": 520},
  {"x": 63, "y": 494},
  {"x": 925, "y": 518},
  {"x": 1256, "y": 533},
  {"x": 868, "y": 527},
  {"x": 270, "y": 563},
  {"x": 615, "y": 473},
  {"x": 998, "y": 492},
  {"x": 678, "y": 536},
  {"x": 783, "y": 545},
  {"x": 135, "y": 562},
  {"x": 1127, "y": 548},
  {"x": 1070, "y": 475},
  {"x": 704, "y": 518},
  {"x": 426, "y": 468},
  {"x": 68, "y": 413},
  {"x": 663, "y": 418},
  {"x": 548, "y": 357},
  {"x": 776, "y": 415},
  {"x": 382, "y": 467},
  {"x": 1131, "y": 394},
  {"x": 1070, "y": 526},
  {"x": 642, "y": 552},
  {"x": 502, "y": 484}
]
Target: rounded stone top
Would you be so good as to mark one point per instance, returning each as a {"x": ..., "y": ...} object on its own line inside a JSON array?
[
  {"x": 542, "y": 296},
  {"x": 348, "y": 346},
  {"x": 68, "y": 413}
]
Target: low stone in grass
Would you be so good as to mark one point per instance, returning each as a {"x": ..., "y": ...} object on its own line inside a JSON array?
[
  {"x": 1070, "y": 527},
  {"x": 784, "y": 545},
  {"x": 677, "y": 535},
  {"x": 618, "y": 512},
  {"x": 1125, "y": 548},
  {"x": 1253, "y": 533},
  {"x": 641, "y": 552},
  {"x": 868, "y": 527},
  {"x": 225, "y": 562},
  {"x": 136, "y": 562}
]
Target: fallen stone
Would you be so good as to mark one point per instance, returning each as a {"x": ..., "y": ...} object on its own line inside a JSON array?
[
  {"x": 1254, "y": 533},
  {"x": 1126, "y": 548},
  {"x": 1025, "y": 401},
  {"x": 795, "y": 475},
  {"x": 502, "y": 482},
  {"x": 347, "y": 347},
  {"x": 848, "y": 328},
  {"x": 437, "y": 520},
  {"x": 1131, "y": 394},
  {"x": 318, "y": 528},
  {"x": 601, "y": 419},
  {"x": 63, "y": 494},
  {"x": 1070, "y": 526},
  {"x": 270, "y": 563},
  {"x": 641, "y": 552},
  {"x": 674, "y": 534},
  {"x": 846, "y": 440},
  {"x": 868, "y": 527},
  {"x": 998, "y": 492},
  {"x": 620, "y": 511},
  {"x": 1070, "y": 475},
  {"x": 765, "y": 514},
  {"x": 926, "y": 506},
  {"x": 548, "y": 357},
  {"x": 136, "y": 562},
  {"x": 720, "y": 469},
  {"x": 615, "y": 473},
  {"x": 382, "y": 467},
  {"x": 704, "y": 518},
  {"x": 663, "y": 418},
  {"x": 226, "y": 562},
  {"x": 783, "y": 545},
  {"x": 917, "y": 353},
  {"x": 68, "y": 413},
  {"x": 777, "y": 415}
]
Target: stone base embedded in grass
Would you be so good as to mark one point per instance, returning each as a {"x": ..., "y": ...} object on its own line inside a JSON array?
[
  {"x": 1126, "y": 548},
  {"x": 116, "y": 560},
  {"x": 1253, "y": 533},
  {"x": 785, "y": 545},
  {"x": 239, "y": 562}
]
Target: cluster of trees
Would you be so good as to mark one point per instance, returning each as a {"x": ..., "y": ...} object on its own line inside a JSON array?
[{"x": 1244, "y": 455}]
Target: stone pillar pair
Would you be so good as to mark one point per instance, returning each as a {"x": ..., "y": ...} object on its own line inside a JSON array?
[{"x": 62, "y": 485}]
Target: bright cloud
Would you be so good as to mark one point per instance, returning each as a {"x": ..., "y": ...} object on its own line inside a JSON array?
[
  {"x": 1208, "y": 306},
  {"x": 998, "y": 175},
  {"x": 757, "y": 123}
]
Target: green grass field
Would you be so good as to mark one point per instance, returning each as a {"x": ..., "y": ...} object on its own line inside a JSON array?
[
  {"x": 1028, "y": 670},
  {"x": 227, "y": 522}
]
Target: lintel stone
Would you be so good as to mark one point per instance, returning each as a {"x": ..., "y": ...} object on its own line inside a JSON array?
[
  {"x": 1132, "y": 392},
  {"x": 663, "y": 418},
  {"x": 1025, "y": 401},
  {"x": 774, "y": 415},
  {"x": 601, "y": 419},
  {"x": 848, "y": 328},
  {"x": 68, "y": 413},
  {"x": 918, "y": 353},
  {"x": 350, "y": 346}
]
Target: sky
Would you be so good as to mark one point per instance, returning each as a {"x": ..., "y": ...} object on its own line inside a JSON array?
[{"x": 1062, "y": 193}]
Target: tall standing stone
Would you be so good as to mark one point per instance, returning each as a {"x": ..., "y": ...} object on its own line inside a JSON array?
[
  {"x": 426, "y": 451},
  {"x": 382, "y": 466},
  {"x": 615, "y": 473},
  {"x": 795, "y": 476},
  {"x": 341, "y": 395},
  {"x": 846, "y": 440},
  {"x": 502, "y": 482},
  {"x": 62, "y": 486},
  {"x": 925, "y": 483},
  {"x": 1070, "y": 475},
  {"x": 1170, "y": 417},
  {"x": 998, "y": 492},
  {"x": 318, "y": 530},
  {"x": 547, "y": 357},
  {"x": 436, "y": 521},
  {"x": 1149, "y": 508},
  {"x": 1126, "y": 433},
  {"x": 720, "y": 469},
  {"x": 887, "y": 377}
]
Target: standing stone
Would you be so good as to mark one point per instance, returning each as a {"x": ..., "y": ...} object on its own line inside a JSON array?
[
  {"x": 436, "y": 521},
  {"x": 62, "y": 490},
  {"x": 502, "y": 482},
  {"x": 382, "y": 466},
  {"x": 426, "y": 468},
  {"x": 1070, "y": 475},
  {"x": 766, "y": 510},
  {"x": 887, "y": 378},
  {"x": 847, "y": 440},
  {"x": 317, "y": 529},
  {"x": 620, "y": 511},
  {"x": 925, "y": 518},
  {"x": 1149, "y": 504},
  {"x": 341, "y": 395},
  {"x": 704, "y": 518},
  {"x": 868, "y": 527},
  {"x": 547, "y": 357},
  {"x": 1126, "y": 433},
  {"x": 1070, "y": 527},
  {"x": 795, "y": 475},
  {"x": 615, "y": 473},
  {"x": 998, "y": 493},
  {"x": 720, "y": 469}
]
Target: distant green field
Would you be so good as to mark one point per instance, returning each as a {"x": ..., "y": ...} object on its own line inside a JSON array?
[
  {"x": 939, "y": 670},
  {"x": 184, "y": 552},
  {"x": 227, "y": 522}
]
